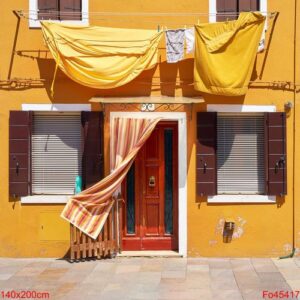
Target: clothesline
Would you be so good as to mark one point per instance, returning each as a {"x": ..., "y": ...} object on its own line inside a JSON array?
[
  {"x": 31, "y": 14},
  {"x": 150, "y": 14}
]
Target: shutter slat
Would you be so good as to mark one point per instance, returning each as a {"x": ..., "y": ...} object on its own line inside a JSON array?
[
  {"x": 56, "y": 152},
  {"x": 206, "y": 179},
  {"x": 240, "y": 153}
]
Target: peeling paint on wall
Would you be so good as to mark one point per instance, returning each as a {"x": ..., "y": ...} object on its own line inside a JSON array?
[
  {"x": 239, "y": 228},
  {"x": 288, "y": 248},
  {"x": 194, "y": 252},
  {"x": 212, "y": 242},
  {"x": 220, "y": 227}
]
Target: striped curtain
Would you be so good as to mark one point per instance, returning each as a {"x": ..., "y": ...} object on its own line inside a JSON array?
[{"x": 89, "y": 210}]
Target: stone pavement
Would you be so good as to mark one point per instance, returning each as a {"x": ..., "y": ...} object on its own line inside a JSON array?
[{"x": 151, "y": 278}]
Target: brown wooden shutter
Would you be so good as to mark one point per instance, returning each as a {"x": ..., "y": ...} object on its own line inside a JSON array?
[
  {"x": 48, "y": 9},
  {"x": 92, "y": 158},
  {"x": 206, "y": 173},
  {"x": 226, "y": 6},
  {"x": 275, "y": 134},
  {"x": 19, "y": 153},
  {"x": 232, "y": 6},
  {"x": 70, "y": 9},
  {"x": 248, "y": 5}
]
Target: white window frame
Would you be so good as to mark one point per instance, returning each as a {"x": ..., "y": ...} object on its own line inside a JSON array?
[
  {"x": 51, "y": 199},
  {"x": 241, "y": 198},
  {"x": 213, "y": 9},
  {"x": 35, "y": 23}
]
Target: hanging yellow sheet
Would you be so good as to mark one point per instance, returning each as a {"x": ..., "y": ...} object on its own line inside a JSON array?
[
  {"x": 225, "y": 53},
  {"x": 101, "y": 57}
]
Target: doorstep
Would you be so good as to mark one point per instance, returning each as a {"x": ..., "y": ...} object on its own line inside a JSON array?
[{"x": 149, "y": 253}]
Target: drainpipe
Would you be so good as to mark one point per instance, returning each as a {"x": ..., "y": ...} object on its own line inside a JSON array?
[{"x": 294, "y": 131}]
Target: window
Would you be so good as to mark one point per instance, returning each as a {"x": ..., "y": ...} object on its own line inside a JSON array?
[
  {"x": 47, "y": 150},
  {"x": 240, "y": 153},
  {"x": 59, "y": 10},
  {"x": 232, "y": 6},
  {"x": 220, "y": 9},
  {"x": 56, "y": 152},
  {"x": 75, "y": 11}
]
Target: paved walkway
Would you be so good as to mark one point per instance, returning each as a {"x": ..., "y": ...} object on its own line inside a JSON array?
[{"x": 150, "y": 278}]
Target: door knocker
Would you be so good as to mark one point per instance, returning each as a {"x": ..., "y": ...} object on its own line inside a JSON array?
[{"x": 152, "y": 181}]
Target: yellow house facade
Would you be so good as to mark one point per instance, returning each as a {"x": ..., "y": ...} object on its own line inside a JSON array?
[{"x": 264, "y": 225}]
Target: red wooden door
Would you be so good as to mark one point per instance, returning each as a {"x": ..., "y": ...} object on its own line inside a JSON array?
[{"x": 150, "y": 190}]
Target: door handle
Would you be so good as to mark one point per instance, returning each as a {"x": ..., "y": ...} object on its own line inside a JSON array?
[
  {"x": 152, "y": 181},
  {"x": 17, "y": 168},
  {"x": 204, "y": 165},
  {"x": 279, "y": 163}
]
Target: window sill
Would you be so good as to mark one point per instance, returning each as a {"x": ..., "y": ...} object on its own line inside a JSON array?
[
  {"x": 45, "y": 199},
  {"x": 36, "y": 23},
  {"x": 241, "y": 199}
]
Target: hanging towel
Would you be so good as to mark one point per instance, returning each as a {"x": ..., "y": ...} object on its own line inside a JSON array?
[
  {"x": 225, "y": 53},
  {"x": 261, "y": 45},
  {"x": 262, "y": 42},
  {"x": 101, "y": 57},
  {"x": 89, "y": 209},
  {"x": 190, "y": 40},
  {"x": 175, "y": 45}
]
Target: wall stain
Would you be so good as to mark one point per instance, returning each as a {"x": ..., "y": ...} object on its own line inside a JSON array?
[
  {"x": 212, "y": 242},
  {"x": 287, "y": 248},
  {"x": 239, "y": 228}
]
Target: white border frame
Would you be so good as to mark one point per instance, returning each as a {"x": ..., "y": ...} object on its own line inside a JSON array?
[
  {"x": 51, "y": 199},
  {"x": 182, "y": 166},
  {"x": 213, "y": 9},
  {"x": 33, "y": 15},
  {"x": 241, "y": 198},
  {"x": 56, "y": 107}
]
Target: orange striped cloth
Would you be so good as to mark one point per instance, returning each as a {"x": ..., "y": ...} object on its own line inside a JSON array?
[{"x": 88, "y": 210}]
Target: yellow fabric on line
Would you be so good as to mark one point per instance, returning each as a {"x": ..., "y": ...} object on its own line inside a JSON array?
[
  {"x": 101, "y": 57},
  {"x": 225, "y": 53}
]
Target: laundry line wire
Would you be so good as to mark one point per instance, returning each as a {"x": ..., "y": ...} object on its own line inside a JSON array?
[
  {"x": 150, "y": 14},
  {"x": 32, "y": 15}
]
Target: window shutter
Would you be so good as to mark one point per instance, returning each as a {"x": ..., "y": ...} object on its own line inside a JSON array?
[
  {"x": 93, "y": 158},
  {"x": 206, "y": 175},
  {"x": 232, "y": 6},
  {"x": 70, "y": 9},
  {"x": 275, "y": 132},
  {"x": 56, "y": 152},
  {"x": 19, "y": 153},
  {"x": 226, "y": 6},
  {"x": 48, "y": 9},
  {"x": 248, "y": 5}
]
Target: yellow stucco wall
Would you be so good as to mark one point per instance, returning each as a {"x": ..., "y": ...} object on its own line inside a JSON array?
[{"x": 36, "y": 230}]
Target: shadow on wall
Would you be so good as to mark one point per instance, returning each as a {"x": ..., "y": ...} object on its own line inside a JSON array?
[
  {"x": 146, "y": 83},
  {"x": 169, "y": 74},
  {"x": 68, "y": 90}
]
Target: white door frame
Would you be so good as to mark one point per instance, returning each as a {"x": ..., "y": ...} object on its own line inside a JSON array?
[{"x": 180, "y": 117}]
